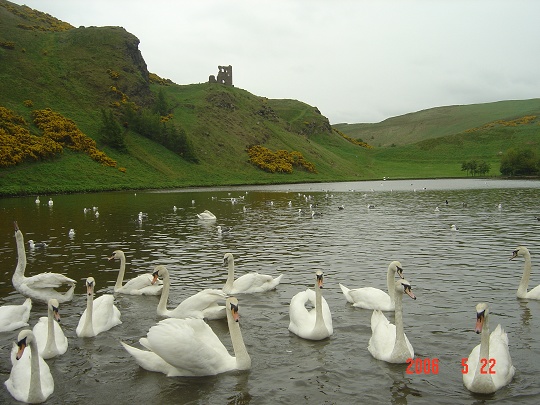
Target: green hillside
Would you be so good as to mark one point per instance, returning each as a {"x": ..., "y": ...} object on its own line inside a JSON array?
[
  {"x": 437, "y": 122},
  {"x": 78, "y": 73}
]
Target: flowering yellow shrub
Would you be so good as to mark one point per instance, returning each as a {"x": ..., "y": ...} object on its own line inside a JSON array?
[
  {"x": 352, "y": 140},
  {"x": 49, "y": 22},
  {"x": 113, "y": 74},
  {"x": 64, "y": 131},
  {"x": 280, "y": 161},
  {"x": 527, "y": 119},
  {"x": 17, "y": 144},
  {"x": 28, "y": 103}
]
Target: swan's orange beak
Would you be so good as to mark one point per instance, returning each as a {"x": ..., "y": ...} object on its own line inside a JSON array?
[
  {"x": 400, "y": 272},
  {"x": 235, "y": 314},
  {"x": 479, "y": 322},
  {"x": 155, "y": 279},
  {"x": 514, "y": 255},
  {"x": 320, "y": 281},
  {"x": 90, "y": 288},
  {"x": 16, "y": 226},
  {"x": 22, "y": 346},
  {"x": 409, "y": 292},
  {"x": 56, "y": 315}
]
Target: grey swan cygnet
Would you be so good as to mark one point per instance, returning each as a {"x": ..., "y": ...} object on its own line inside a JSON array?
[
  {"x": 30, "y": 379},
  {"x": 203, "y": 304},
  {"x": 189, "y": 347},
  {"x": 248, "y": 283},
  {"x": 388, "y": 341},
  {"x": 40, "y": 287},
  {"x": 534, "y": 294},
  {"x": 140, "y": 285},
  {"x": 489, "y": 366},
  {"x": 374, "y": 298}
]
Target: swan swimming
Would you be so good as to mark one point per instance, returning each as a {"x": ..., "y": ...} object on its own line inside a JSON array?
[
  {"x": 13, "y": 317},
  {"x": 374, "y": 298},
  {"x": 100, "y": 314},
  {"x": 206, "y": 215},
  {"x": 49, "y": 336},
  {"x": 534, "y": 294},
  {"x": 489, "y": 366},
  {"x": 313, "y": 324},
  {"x": 30, "y": 379},
  {"x": 141, "y": 285},
  {"x": 388, "y": 341},
  {"x": 248, "y": 283},
  {"x": 204, "y": 304},
  {"x": 40, "y": 287},
  {"x": 189, "y": 347}
]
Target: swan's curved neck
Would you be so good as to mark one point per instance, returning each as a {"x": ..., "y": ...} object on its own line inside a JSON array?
[
  {"x": 88, "y": 328},
  {"x": 390, "y": 283},
  {"x": 35, "y": 394},
  {"x": 319, "y": 320},
  {"x": 21, "y": 254},
  {"x": 162, "y": 305},
  {"x": 230, "y": 275},
  {"x": 400, "y": 345},
  {"x": 243, "y": 361},
  {"x": 51, "y": 339},
  {"x": 484, "y": 341},
  {"x": 121, "y": 273},
  {"x": 522, "y": 289}
]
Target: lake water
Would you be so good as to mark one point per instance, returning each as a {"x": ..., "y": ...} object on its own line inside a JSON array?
[{"x": 450, "y": 273}]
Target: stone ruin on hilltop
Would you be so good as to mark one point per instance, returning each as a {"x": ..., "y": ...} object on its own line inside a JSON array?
[{"x": 224, "y": 76}]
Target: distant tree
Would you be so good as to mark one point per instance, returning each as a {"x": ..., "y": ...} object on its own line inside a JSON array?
[
  {"x": 522, "y": 162},
  {"x": 474, "y": 167},
  {"x": 161, "y": 106},
  {"x": 111, "y": 131},
  {"x": 483, "y": 168}
]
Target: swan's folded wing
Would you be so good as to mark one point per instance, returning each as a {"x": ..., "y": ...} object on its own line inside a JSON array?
[
  {"x": 188, "y": 344},
  {"x": 383, "y": 337},
  {"x": 255, "y": 282},
  {"x": 105, "y": 313},
  {"x": 371, "y": 298},
  {"x": 149, "y": 360},
  {"x": 498, "y": 349},
  {"x": 299, "y": 315},
  {"x": 202, "y": 300},
  {"x": 346, "y": 293},
  {"x": 48, "y": 280}
]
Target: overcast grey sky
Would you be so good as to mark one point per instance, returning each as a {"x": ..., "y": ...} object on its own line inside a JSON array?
[{"x": 356, "y": 60}]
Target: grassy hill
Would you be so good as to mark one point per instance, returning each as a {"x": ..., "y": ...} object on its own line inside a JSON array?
[{"x": 77, "y": 72}]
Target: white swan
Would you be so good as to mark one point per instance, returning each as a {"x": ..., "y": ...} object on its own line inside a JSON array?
[
  {"x": 489, "y": 366},
  {"x": 49, "y": 336},
  {"x": 30, "y": 379},
  {"x": 206, "y": 215},
  {"x": 189, "y": 347},
  {"x": 374, "y": 298},
  {"x": 248, "y": 283},
  {"x": 204, "y": 304},
  {"x": 40, "y": 287},
  {"x": 313, "y": 324},
  {"x": 13, "y": 317},
  {"x": 100, "y": 314},
  {"x": 388, "y": 341},
  {"x": 534, "y": 294},
  {"x": 140, "y": 285}
]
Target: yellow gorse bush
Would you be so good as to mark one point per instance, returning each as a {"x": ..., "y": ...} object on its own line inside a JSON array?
[
  {"x": 17, "y": 144},
  {"x": 280, "y": 161},
  {"x": 352, "y": 140},
  {"x": 527, "y": 119},
  {"x": 64, "y": 131}
]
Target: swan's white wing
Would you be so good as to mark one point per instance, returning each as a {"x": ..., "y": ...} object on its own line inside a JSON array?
[
  {"x": 534, "y": 294},
  {"x": 105, "y": 314},
  {"x": 302, "y": 319},
  {"x": 189, "y": 345},
  {"x": 472, "y": 364},
  {"x": 346, "y": 293},
  {"x": 150, "y": 361},
  {"x": 498, "y": 349},
  {"x": 327, "y": 316},
  {"x": 383, "y": 336},
  {"x": 48, "y": 280},
  {"x": 255, "y": 282},
  {"x": 141, "y": 285},
  {"x": 371, "y": 298},
  {"x": 13, "y": 317},
  {"x": 41, "y": 332},
  {"x": 204, "y": 304}
]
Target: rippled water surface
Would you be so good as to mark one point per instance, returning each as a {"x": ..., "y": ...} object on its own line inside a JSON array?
[{"x": 450, "y": 272}]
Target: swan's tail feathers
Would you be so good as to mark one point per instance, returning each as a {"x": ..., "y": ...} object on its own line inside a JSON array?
[
  {"x": 500, "y": 333},
  {"x": 28, "y": 303},
  {"x": 345, "y": 291}
]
